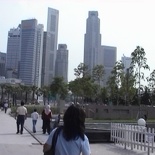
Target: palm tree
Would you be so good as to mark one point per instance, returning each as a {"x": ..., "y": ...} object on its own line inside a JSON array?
[
  {"x": 9, "y": 90},
  {"x": 45, "y": 92},
  {"x": 2, "y": 91}
]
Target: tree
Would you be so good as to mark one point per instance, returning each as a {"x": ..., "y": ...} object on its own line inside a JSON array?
[
  {"x": 139, "y": 62},
  {"x": 59, "y": 88},
  {"x": 9, "y": 90},
  {"x": 151, "y": 84},
  {"x": 2, "y": 91},
  {"x": 45, "y": 92},
  {"x": 115, "y": 81},
  {"x": 98, "y": 73},
  {"x": 81, "y": 71},
  {"x": 27, "y": 90}
]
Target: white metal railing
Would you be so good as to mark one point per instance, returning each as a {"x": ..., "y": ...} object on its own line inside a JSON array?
[{"x": 134, "y": 137}]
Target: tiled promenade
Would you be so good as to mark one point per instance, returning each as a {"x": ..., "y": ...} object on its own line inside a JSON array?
[{"x": 30, "y": 144}]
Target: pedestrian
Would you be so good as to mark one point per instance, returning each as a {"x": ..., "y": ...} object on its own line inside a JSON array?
[
  {"x": 6, "y": 106},
  {"x": 46, "y": 117},
  {"x": 71, "y": 139},
  {"x": 21, "y": 114},
  {"x": 34, "y": 117}
]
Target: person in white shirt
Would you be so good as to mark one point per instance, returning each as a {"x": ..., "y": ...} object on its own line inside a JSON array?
[
  {"x": 34, "y": 117},
  {"x": 6, "y": 106},
  {"x": 21, "y": 116}
]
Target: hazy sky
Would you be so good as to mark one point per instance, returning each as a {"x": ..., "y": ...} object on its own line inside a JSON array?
[{"x": 124, "y": 24}]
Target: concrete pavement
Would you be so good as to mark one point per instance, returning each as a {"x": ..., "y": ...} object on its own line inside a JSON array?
[
  {"x": 30, "y": 144},
  {"x": 11, "y": 143}
]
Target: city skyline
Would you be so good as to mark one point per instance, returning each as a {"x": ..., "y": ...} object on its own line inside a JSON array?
[{"x": 124, "y": 24}]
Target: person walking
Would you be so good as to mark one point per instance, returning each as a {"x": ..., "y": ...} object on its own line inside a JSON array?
[
  {"x": 6, "y": 106},
  {"x": 21, "y": 114},
  {"x": 71, "y": 139},
  {"x": 34, "y": 117},
  {"x": 46, "y": 117}
]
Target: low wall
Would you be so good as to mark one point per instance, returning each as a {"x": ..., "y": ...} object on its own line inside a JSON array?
[{"x": 119, "y": 112}]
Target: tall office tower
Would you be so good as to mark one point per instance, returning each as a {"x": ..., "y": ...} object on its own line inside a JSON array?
[
  {"x": 28, "y": 51},
  {"x": 92, "y": 43},
  {"x": 51, "y": 46},
  {"x": 108, "y": 58},
  {"x": 13, "y": 52},
  {"x": 43, "y": 57},
  {"x": 61, "y": 65},
  {"x": 2, "y": 63},
  {"x": 126, "y": 61},
  {"x": 39, "y": 53}
]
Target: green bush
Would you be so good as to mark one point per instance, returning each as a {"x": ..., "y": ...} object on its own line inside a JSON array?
[{"x": 39, "y": 108}]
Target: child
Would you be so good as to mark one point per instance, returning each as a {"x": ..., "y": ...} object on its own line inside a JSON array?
[{"x": 34, "y": 117}]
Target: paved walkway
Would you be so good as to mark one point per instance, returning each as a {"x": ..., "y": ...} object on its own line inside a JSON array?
[{"x": 30, "y": 144}]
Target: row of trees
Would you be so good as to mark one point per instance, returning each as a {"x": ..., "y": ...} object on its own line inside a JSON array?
[{"x": 125, "y": 87}]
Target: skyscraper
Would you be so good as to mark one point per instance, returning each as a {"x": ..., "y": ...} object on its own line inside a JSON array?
[
  {"x": 28, "y": 51},
  {"x": 127, "y": 62},
  {"x": 13, "y": 52},
  {"x": 61, "y": 65},
  {"x": 39, "y": 53},
  {"x": 92, "y": 42},
  {"x": 108, "y": 59},
  {"x": 51, "y": 47}
]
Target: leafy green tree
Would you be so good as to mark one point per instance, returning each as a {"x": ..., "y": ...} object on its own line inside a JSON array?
[
  {"x": 151, "y": 84},
  {"x": 81, "y": 71},
  {"x": 45, "y": 92},
  {"x": 98, "y": 73},
  {"x": 139, "y": 62},
  {"x": 83, "y": 88},
  {"x": 146, "y": 97},
  {"x": 127, "y": 89},
  {"x": 75, "y": 88},
  {"x": 115, "y": 81},
  {"x": 104, "y": 95},
  {"x": 59, "y": 88}
]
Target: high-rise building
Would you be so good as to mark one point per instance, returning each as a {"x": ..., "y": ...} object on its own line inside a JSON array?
[
  {"x": 108, "y": 59},
  {"x": 92, "y": 42},
  {"x": 127, "y": 62},
  {"x": 2, "y": 63},
  {"x": 13, "y": 52},
  {"x": 50, "y": 50},
  {"x": 39, "y": 53},
  {"x": 28, "y": 51},
  {"x": 61, "y": 66}
]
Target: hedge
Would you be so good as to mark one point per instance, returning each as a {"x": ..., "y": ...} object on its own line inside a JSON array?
[{"x": 39, "y": 108}]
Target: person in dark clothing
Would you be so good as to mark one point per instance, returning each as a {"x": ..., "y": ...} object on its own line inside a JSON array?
[{"x": 46, "y": 117}]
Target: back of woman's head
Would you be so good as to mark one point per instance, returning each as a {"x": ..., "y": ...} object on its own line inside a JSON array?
[{"x": 74, "y": 119}]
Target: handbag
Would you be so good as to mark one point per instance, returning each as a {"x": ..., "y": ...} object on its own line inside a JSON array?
[{"x": 54, "y": 141}]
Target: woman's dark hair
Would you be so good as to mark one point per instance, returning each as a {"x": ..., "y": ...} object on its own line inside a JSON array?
[{"x": 74, "y": 123}]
